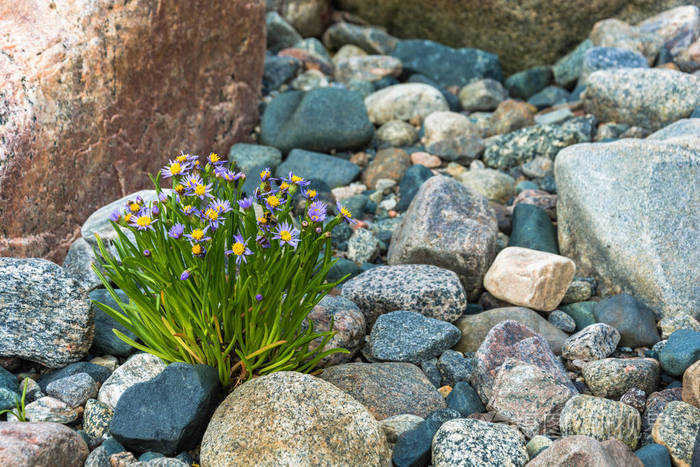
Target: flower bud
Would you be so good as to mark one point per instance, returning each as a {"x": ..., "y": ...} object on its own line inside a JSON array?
[
  {"x": 185, "y": 275},
  {"x": 259, "y": 297},
  {"x": 146, "y": 253}
]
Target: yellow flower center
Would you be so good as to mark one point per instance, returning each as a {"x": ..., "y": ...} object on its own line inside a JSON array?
[
  {"x": 181, "y": 158},
  {"x": 175, "y": 168},
  {"x": 199, "y": 190},
  {"x": 127, "y": 216},
  {"x": 311, "y": 193},
  {"x": 211, "y": 214},
  {"x": 296, "y": 179},
  {"x": 143, "y": 221},
  {"x": 238, "y": 248},
  {"x": 179, "y": 188},
  {"x": 134, "y": 207},
  {"x": 345, "y": 212},
  {"x": 262, "y": 220},
  {"x": 198, "y": 234},
  {"x": 264, "y": 174},
  {"x": 284, "y": 186},
  {"x": 197, "y": 249},
  {"x": 285, "y": 235},
  {"x": 273, "y": 201},
  {"x": 214, "y": 157}
]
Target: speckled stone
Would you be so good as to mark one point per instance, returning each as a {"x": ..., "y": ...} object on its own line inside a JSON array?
[
  {"x": 40, "y": 292},
  {"x": 568, "y": 68},
  {"x": 612, "y": 377},
  {"x": 676, "y": 428},
  {"x": 77, "y": 264},
  {"x": 656, "y": 403},
  {"x": 404, "y": 102},
  {"x": 475, "y": 327},
  {"x": 494, "y": 185},
  {"x": 367, "y": 68},
  {"x": 600, "y": 419},
  {"x": 634, "y": 320},
  {"x": 671, "y": 324},
  {"x": 394, "y": 426},
  {"x": 40, "y": 444},
  {"x": 513, "y": 339},
  {"x": 429, "y": 290},
  {"x": 389, "y": 163},
  {"x": 397, "y": 133},
  {"x": 386, "y": 389},
  {"x": 348, "y": 324},
  {"x": 584, "y": 451},
  {"x": 139, "y": 368},
  {"x": 591, "y": 343},
  {"x": 529, "y": 397},
  {"x": 466, "y": 441},
  {"x": 48, "y": 409},
  {"x": 691, "y": 385},
  {"x": 452, "y": 137},
  {"x": 96, "y": 418},
  {"x": 562, "y": 321},
  {"x": 293, "y": 419},
  {"x": 605, "y": 58},
  {"x": 484, "y": 94},
  {"x": 97, "y": 372},
  {"x": 407, "y": 336},
  {"x": 363, "y": 246},
  {"x": 537, "y": 444},
  {"x": 579, "y": 290},
  {"x": 648, "y": 98},
  {"x": 74, "y": 390},
  {"x": 454, "y": 367},
  {"x": 450, "y": 226},
  {"x": 635, "y": 398}
]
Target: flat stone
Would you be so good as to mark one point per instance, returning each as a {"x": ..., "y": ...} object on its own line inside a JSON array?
[
  {"x": 74, "y": 390},
  {"x": 367, "y": 68},
  {"x": 431, "y": 291},
  {"x": 475, "y": 327},
  {"x": 624, "y": 236},
  {"x": 613, "y": 377},
  {"x": 48, "y": 409},
  {"x": 386, "y": 389},
  {"x": 510, "y": 339},
  {"x": 584, "y": 451},
  {"x": 39, "y": 292},
  {"x": 484, "y": 94},
  {"x": 530, "y": 278},
  {"x": 348, "y": 324},
  {"x": 97, "y": 372},
  {"x": 98, "y": 223},
  {"x": 532, "y": 228},
  {"x": 466, "y": 441},
  {"x": 372, "y": 40},
  {"x": 333, "y": 171},
  {"x": 390, "y": 163},
  {"x": 634, "y": 320},
  {"x": 137, "y": 369},
  {"x": 691, "y": 385},
  {"x": 404, "y": 102},
  {"x": 601, "y": 419},
  {"x": 30, "y": 443},
  {"x": 594, "y": 342},
  {"x": 528, "y": 396},
  {"x": 452, "y": 136},
  {"x": 494, "y": 185},
  {"x": 676, "y": 429},
  {"x": 450, "y": 226}
]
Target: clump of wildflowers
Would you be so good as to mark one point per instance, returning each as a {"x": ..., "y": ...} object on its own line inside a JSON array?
[{"x": 220, "y": 277}]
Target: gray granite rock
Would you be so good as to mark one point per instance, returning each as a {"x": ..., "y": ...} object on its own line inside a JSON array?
[
  {"x": 613, "y": 377},
  {"x": 605, "y": 58},
  {"x": 49, "y": 409},
  {"x": 648, "y": 98},
  {"x": 593, "y": 342},
  {"x": 404, "y": 102},
  {"x": 635, "y": 321},
  {"x": 294, "y": 419},
  {"x": 44, "y": 313},
  {"x": 562, "y": 321},
  {"x": 363, "y": 246},
  {"x": 429, "y": 290},
  {"x": 484, "y": 94},
  {"x": 366, "y": 68},
  {"x": 98, "y": 223},
  {"x": 677, "y": 428},
  {"x": 450, "y": 226},
  {"x": 137, "y": 369},
  {"x": 98, "y": 373},
  {"x": 452, "y": 137},
  {"x": 348, "y": 323},
  {"x": 568, "y": 68},
  {"x": 466, "y": 441},
  {"x": 74, "y": 390},
  {"x": 96, "y": 418},
  {"x": 313, "y": 165},
  {"x": 627, "y": 234},
  {"x": 370, "y": 39},
  {"x": 77, "y": 264},
  {"x": 600, "y": 419},
  {"x": 396, "y": 133},
  {"x": 394, "y": 426},
  {"x": 407, "y": 336},
  {"x": 40, "y": 444},
  {"x": 454, "y": 367}
]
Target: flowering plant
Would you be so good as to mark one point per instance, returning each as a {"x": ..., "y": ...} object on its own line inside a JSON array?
[{"x": 217, "y": 278}]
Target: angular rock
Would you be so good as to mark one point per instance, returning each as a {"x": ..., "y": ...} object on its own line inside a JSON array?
[
  {"x": 475, "y": 327},
  {"x": 389, "y": 163},
  {"x": 647, "y": 98},
  {"x": 453, "y": 367},
  {"x": 367, "y": 68},
  {"x": 370, "y": 39},
  {"x": 404, "y": 102},
  {"x": 168, "y": 413},
  {"x": 48, "y": 409},
  {"x": 524, "y": 84},
  {"x": 407, "y": 336},
  {"x": 280, "y": 34},
  {"x": 318, "y": 120},
  {"x": 429, "y": 290},
  {"x": 452, "y": 136},
  {"x": 363, "y": 246},
  {"x": 464, "y": 399},
  {"x": 137, "y": 369},
  {"x": 410, "y": 183},
  {"x": 605, "y": 58},
  {"x": 582, "y": 451},
  {"x": 466, "y": 441},
  {"x": 44, "y": 314},
  {"x": 613, "y": 377},
  {"x": 137, "y": 105},
  {"x": 532, "y": 228},
  {"x": 678, "y": 27},
  {"x": 511, "y": 115},
  {"x": 635, "y": 322},
  {"x": 484, "y": 94},
  {"x": 450, "y": 226},
  {"x": 529, "y": 397},
  {"x": 278, "y": 71},
  {"x": 626, "y": 235},
  {"x": 635, "y": 398},
  {"x": 530, "y": 278},
  {"x": 513, "y": 339},
  {"x": 568, "y": 68},
  {"x": 73, "y": 390},
  {"x": 348, "y": 323},
  {"x": 334, "y": 171},
  {"x": 600, "y": 419},
  {"x": 593, "y": 342},
  {"x": 492, "y": 184},
  {"x": 294, "y": 419},
  {"x": 31, "y": 443},
  {"x": 676, "y": 429}
]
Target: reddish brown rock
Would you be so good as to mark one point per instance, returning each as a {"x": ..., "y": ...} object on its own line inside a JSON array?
[
  {"x": 511, "y": 115},
  {"x": 27, "y": 443},
  {"x": 691, "y": 385},
  {"x": 389, "y": 163},
  {"x": 94, "y": 95},
  {"x": 656, "y": 403},
  {"x": 584, "y": 451}
]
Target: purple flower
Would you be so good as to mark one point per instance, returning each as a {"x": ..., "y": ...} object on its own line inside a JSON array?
[
  {"x": 239, "y": 249},
  {"x": 220, "y": 205},
  {"x": 274, "y": 203},
  {"x": 189, "y": 209},
  {"x": 309, "y": 194},
  {"x": 262, "y": 241},
  {"x": 142, "y": 221},
  {"x": 155, "y": 210},
  {"x": 317, "y": 211},
  {"x": 146, "y": 253},
  {"x": 265, "y": 174},
  {"x": 296, "y": 180},
  {"x": 175, "y": 168},
  {"x": 176, "y": 231},
  {"x": 287, "y": 235},
  {"x": 115, "y": 216},
  {"x": 185, "y": 275},
  {"x": 245, "y": 203},
  {"x": 200, "y": 190},
  {"x": 162, "y": 197},
  {"x": 198, "y": 235},
  {"x": 214, "y": 159},
  {"x": 259, "y": 297},
  {"x": 347, "y": 215},
  {"x": 191, "y": 181}
]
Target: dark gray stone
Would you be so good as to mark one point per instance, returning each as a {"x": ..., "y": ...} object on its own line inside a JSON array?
[
  {"x": 371, "y": 40},
  {"x": 407, "y": 336},
  {"x": 105, "y": 341},
  {"x": 549, "y": 97},
  {"x": 410, "y": 183},
  {"x": 249, "y": 156},
  {"x": 603, "y": 58},
  {"x": 45, "y": 316},
  {"x": 318, "y": 120},
  {"x": 342, "y": 267},
  {"x": 681, "y": 351},
  {"x": 654, "y": 455},
  {"x": 74, "y": 390},
  {"x": 635, "y": 321},
  {"x": 331, "y": 170},
  {"x": 568, "y": 69},
  {"x": 78, "y": 264},
  {"x": 527, "y": 83},
  {"x": 532, "y": 228},
  {"x": 168, "y": 413},
  {"x": 582, "y": 313},
  {"x": 278, "y": 71},
  {"x": 464, "y": 399},
  {"x": 280, "y": 34},
  {"x": 8, "y": 380},
  {"x": 454, "y": 367},
  {"x": 432, "y": 372},
  {"x": 98, "y": 373},
  {"x": 447, "y": 66}
]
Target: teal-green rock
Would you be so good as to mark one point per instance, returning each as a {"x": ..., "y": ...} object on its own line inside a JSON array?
[
  {"x": 532, "y": 228},
  {"x": 582, "y": 313},
  {"x": 526, "y": 83}
]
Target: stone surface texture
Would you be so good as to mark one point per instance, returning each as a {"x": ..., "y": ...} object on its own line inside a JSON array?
[
  {"x": 601, "y": 419},
  {"x": 28, "y": 443},
  {"x": 137, "y": 369},
  {"x": 676, "y": 428},
  {"x": 584, "y": 451}
]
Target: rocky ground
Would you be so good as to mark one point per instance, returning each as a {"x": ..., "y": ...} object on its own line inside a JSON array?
[{"x": 523, "y": 279}]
